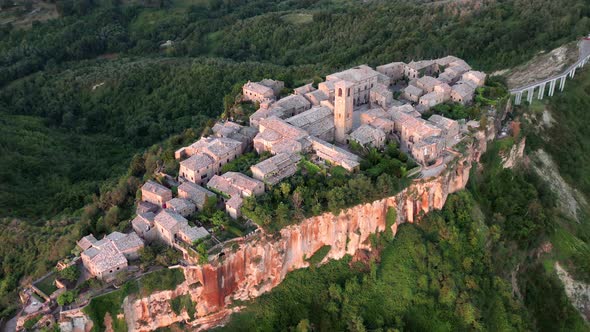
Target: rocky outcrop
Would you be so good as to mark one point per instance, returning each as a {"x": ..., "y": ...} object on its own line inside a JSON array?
[
  {"x": 577, "y": 292},
  {"x": 263, "y": 261},
  {"x": 569, "y": 199},
  {"x": 511, "y": 158}
]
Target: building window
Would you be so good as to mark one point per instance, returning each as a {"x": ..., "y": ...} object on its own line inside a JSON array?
[{"x": 340, "y": 92}]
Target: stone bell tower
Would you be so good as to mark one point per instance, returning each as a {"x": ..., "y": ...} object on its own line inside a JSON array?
[{"x": 343, "y": 105}]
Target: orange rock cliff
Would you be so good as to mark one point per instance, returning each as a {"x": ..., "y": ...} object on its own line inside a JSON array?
[{"x": 261, "y": 262}]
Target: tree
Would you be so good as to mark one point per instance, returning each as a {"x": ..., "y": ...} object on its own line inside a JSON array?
[
  {"x": 67, "y": 297},
  {"x": 111, "y": 219},
  {"x": 70, "y": 274}
]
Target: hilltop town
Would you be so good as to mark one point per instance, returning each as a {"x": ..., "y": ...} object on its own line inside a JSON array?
[
  {"x": 354, "y": 106},
  {"x": 328, "y": 125}
]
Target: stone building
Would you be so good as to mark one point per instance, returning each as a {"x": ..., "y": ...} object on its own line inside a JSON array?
[
  {"x": 477, "y": 77},
  {"x": 412, "y": 93},
  {"x": 416, "y": 69},
  {"x": 427, "y": 83},
  {"x": 265, "y": 90},
  {"x": 414, "y": 130},
  {"x": 318, "y": 122},
  {"x": 198, "y": 169},
  {"x": 276, "y": 136},
  {"x": 256, "y": 92},
  {"x": 171, "y": 228},
  {"x": 335, "y": 155},
  {"x": 367, "y": 135},
  {"x": 234, "y": 131},
  {"x": 182, "y": 206},
  {"x": 304, "y": 89},
  {"x": 207, "y": 157},
  {"x": 233, "y": 187},
  {"x": 109, "y": 256},
  {"x": 143, "y": 225},
  {"x": 394, "y": 70},
  {"x": 275, "y": 85},
  {"x": 462, "y": 93},
  {"x": 343, "y": 108},
  {"x": 428, "y": 150},
  {"x": 316, "y": 97},
  {"x": 196, "y": 194},
  {"x": 429, "y": 100},
  {"x": 155, "y": 193},
  {"x": 327, "y": 88},
  {"x": 440, "y": 94},
  {"x": 378, "y": 118},
  {"x": 282, "y": 109},
  {"x": 274, "y": 169},
  {"x": 450, "y": 128},
  {"x": 361, "y": 80},
  {"x": 220, "y": 149},
  {"x": 380, "y": 95}
]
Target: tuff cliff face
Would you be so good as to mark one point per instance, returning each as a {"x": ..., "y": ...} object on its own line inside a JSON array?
[
  {"x": 262, "y": 262},
  {"x": 511, "y": 158}
]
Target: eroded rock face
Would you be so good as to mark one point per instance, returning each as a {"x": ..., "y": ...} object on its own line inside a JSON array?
[
  {"x": 261, "y": 262},
  {"x": 578, "y": 292},
  {"x": 515, "y": 155}
]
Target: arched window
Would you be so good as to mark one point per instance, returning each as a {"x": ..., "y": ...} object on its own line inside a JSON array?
[
  {"x": 340, "y": 92},
  {"x": 348, "y": 93}
]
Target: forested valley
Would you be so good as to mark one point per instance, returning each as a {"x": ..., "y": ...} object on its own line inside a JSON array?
[{"x": 95, "y": 100}]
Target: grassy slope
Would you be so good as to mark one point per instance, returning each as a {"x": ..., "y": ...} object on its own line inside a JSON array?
[{"x": 568, "y": 143}]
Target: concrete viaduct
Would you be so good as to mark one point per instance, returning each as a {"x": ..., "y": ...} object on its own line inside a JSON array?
[{"x": 552, "y": 82}]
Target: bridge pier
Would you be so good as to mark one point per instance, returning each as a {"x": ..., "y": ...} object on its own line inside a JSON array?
[
  {"x": 541, "y": 91},
  {"x": 562, "y": 83},
  {"x": 529, "y": 95},
  {"x": 518, "y": 98},
  {"x": 552, "y": 87}
]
